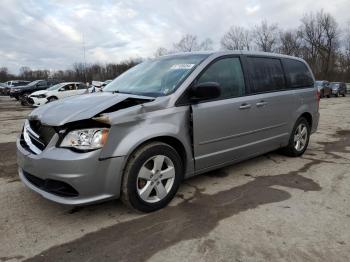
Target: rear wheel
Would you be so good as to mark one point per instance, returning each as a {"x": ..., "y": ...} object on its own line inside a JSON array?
[
  {"x": 299, "y": 138},
  {"x": 152, "y": 177}
]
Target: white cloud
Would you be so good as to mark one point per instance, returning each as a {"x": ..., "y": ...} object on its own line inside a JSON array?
[
  {"x": 250, "y": 10},
  {"x": 48, "y": 34}
]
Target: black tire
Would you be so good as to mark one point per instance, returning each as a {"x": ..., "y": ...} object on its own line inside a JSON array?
[
  {"x": 130, "y": 195},
  {"x": 290, "y": 149},
  {"x": 344, "y": 95},
  {"x": 51, "y": 99}
]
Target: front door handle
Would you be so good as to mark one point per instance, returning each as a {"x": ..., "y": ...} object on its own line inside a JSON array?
[
  {"x": 245, "y": 106},
  {"x": 261, "y": 103}
]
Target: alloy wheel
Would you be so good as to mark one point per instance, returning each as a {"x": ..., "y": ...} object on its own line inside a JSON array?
[
  {"x": 155, "y": 179},
  {"x": 300, "y": 137}
]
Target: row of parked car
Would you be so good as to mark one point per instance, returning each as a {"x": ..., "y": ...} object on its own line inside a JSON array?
[
  {"x": 39, "y": 92},
  {"x": 328, "y": 89}
]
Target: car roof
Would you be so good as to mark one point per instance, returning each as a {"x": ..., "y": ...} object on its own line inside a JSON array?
[
  {"x": 67, "y": 83},
  {"x": 234, "y": 52}
]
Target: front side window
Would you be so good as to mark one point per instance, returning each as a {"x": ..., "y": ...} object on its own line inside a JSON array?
[
  {"x": 298, "y": 75},
  {"x": 266, "y": 74},
  {"x": 227, "y": 72},
  {"x": 42, "y": 83},
  {"x": 55, "y": 87},
  {"x": 158, "y": 77},
  {"x": 69, "y": 87}
]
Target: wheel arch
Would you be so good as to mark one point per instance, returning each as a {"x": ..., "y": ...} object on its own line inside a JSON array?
[
  {"x": 52, "y": 96},
  {"x": 308, "y": 118},
  {"x": 166, "y": 139}
]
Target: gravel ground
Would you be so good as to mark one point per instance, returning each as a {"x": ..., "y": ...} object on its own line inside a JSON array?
[{"x": 270, "y": 208}]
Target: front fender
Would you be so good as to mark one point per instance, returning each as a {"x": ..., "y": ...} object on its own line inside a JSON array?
[{"x": 125, "y": 137}]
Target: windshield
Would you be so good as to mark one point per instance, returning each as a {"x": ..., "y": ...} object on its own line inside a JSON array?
[
  {"x": 34, "y": 82},
  {"x": 55, "y": 87},
  {"x": 157, "y": 77}
]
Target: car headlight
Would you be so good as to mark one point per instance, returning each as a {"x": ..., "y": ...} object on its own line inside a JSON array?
[
  {"x": 41, "y": 96},
  {"x": 86, "y": 139}
]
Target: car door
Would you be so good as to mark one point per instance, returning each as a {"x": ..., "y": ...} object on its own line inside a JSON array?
[
  {"x": 70, "y": 90},
  {"x": 275, "y": 104},
  {"x": 222, "y": 127},
  {"x": 81, "y": 89}
]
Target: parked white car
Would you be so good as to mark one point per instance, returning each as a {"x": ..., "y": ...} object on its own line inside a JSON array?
[
  {"x": 56, "y": 92},
  {"x": 97, "y": 86}
]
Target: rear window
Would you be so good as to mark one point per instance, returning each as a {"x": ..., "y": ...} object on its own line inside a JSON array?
[
  {"x": 298, "y": 75},
  {"x": 335, "y": 85},
  {"x": 266, "y": 74}
]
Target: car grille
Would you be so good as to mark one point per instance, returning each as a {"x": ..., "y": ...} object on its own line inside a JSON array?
[{"x": 35, "y": 136}]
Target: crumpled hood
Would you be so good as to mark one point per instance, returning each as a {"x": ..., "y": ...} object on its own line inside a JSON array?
[{"x": 77, "y": 108}]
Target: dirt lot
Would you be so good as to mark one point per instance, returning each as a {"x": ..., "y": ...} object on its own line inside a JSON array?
[{"x": 271, "y": 208}]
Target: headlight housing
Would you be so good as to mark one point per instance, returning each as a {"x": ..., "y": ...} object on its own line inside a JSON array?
[{"x": 86, "y": 139}]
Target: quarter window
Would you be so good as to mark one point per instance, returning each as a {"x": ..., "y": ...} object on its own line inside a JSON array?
[
  {"x": 266, "y": 74},
  {"x": 227, "y": 72},
  {"x": 298, "y": 75}
]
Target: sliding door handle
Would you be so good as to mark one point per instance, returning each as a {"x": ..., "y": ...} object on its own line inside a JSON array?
[
  {"x": 245, "y": 106},
  {"x": 261, "y": 103}
]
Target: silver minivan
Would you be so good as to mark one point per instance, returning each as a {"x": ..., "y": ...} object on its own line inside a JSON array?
[{"x": 166, "y": 120}]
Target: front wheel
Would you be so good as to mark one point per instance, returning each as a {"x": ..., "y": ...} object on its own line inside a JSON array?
[
  {"x": 299, "y": 139},
  {"x": 51, "y": 99},
  {"x": 152, "y": 177}
]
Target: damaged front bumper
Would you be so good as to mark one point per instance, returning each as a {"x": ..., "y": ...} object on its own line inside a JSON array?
[{"x": 68, "y": 177}]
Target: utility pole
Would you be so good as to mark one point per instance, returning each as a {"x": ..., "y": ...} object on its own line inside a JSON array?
[{"x": 84, "y": 57}]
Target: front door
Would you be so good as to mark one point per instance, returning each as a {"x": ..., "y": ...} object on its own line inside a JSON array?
[{"x": 221, "y": 128}]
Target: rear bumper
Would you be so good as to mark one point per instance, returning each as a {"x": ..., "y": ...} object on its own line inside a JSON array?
[
  {"x": 335, "y": 91},
  {"x": 315, "y": 121},
  {"x": 93, "y": 179}
]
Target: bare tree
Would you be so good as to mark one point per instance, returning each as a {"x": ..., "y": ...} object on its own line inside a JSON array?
[
  {"x": 236, "y": 38},
  {"x": 320, "y": 35},
  {"x": 290, "y": 42},
  {"x": 189, "y": 43},
  {"x": 207, "y": 44},
  {"x": 161, "y": 51},
  {"x": 330, "y": 29},
  {"x": 266, "y": 36}
]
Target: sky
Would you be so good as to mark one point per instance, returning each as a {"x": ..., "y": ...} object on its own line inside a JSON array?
[{"x": 51, "y": 34}]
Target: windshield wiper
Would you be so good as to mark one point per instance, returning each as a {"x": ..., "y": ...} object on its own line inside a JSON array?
[{"x": 118, "y": 92}]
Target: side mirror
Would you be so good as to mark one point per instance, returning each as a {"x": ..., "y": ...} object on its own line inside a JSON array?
[
  {"x": 205, "y": 91},
  {"x": 61, "y": 89}
]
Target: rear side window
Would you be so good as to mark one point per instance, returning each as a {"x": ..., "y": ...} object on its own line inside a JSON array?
[
  {"x": 266, "y": 74},
  {"x": 81, "y": 86},
  {"x": 298, "y": 75},
  {"x": 227, "y": 72}
]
